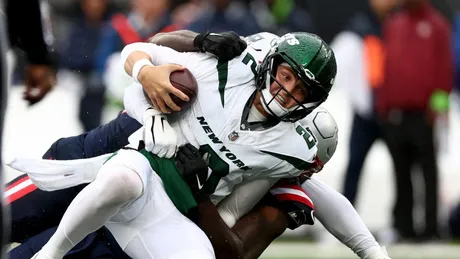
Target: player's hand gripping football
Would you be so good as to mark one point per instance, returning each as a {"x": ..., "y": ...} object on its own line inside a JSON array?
[
  {"x": 225, "y": 45},
  {"x": 159, "y": 137},
  {"x": 194, "y": 170},
  {"x": 157, "y": 85}
]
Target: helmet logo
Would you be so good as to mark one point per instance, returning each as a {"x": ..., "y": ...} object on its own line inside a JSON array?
[{"x": 290, "y": 39}]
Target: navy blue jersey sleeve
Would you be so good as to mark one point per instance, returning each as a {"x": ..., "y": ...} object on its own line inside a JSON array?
[
  {"x": 35, "y": 211},
  {"x": 104, "y": 139}
]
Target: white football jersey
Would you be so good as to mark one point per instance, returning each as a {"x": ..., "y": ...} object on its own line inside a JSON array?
[{"x": 214, "y": 123}]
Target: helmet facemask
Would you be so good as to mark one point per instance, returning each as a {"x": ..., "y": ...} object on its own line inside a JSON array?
[{"x": 267, "y": 75}]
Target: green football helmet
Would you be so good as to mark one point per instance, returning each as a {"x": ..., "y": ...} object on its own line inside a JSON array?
[{"x": 314, "y": 63}]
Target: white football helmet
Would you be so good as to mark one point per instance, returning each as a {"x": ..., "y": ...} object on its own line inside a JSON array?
[{"x": 325, "y": 131}]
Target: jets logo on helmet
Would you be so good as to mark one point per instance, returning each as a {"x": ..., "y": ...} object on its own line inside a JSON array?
[
  {"x": 312, "y": 61},
  {"x": 290, "y": 39}
]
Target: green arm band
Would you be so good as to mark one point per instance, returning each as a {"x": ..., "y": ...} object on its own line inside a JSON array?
[{"x": 439, "y": 101}]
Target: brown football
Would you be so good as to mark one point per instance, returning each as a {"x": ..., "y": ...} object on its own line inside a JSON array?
[{"x": 186, "y": 82}]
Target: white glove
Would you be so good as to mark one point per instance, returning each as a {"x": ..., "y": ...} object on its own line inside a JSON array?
[
  {"x": 159, "y": 137},
  {"x": 378, "y": 254}
]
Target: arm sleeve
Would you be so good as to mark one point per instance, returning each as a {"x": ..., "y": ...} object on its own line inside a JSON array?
[
  {"x": 243, "y": 198},
  {"x": 340, "y": 218},
  {"x": 159, "y": 54}
]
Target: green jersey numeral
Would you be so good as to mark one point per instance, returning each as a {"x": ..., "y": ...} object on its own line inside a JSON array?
[
  {"x": 307, "y": 136},
  {"x": 246, "y": 61},
  {"x": 219, "y": 168}
]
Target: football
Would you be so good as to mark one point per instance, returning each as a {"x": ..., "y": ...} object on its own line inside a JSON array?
[{"x": 186, "y": 82}]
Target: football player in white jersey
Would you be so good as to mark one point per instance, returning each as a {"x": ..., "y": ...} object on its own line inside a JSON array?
[
  {"x": 265, "y": 222},
  {"x": 245, "y": 113},
  {"x": 137, "y": 190},
  {"x": 189, "y": 254},
  {"x": 257, "y": 43}
]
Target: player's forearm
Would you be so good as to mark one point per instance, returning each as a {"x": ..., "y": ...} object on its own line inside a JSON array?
[
  {"x": 181, "y": 40},
  {"x": 148, "y": 54},
  {"x": 134, "y": 52},
  {"x": 259, "y": 228},
  {"x": 134, "y": 57},
  {"x": 226, "y": 243}
]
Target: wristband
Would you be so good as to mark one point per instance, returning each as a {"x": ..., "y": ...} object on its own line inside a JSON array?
[{"x": 138, "y": 66}]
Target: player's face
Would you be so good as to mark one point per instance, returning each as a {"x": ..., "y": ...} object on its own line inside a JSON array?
[{"x": 294, "y": 91}]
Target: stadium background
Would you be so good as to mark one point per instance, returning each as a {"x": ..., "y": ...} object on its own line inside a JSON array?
[{"x": 30, "y": 131}]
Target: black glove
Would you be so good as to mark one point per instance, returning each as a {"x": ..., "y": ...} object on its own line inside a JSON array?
[
  {"x": 298, "y": 208},
  {"x": 298, "y": 213},
  {"x": 225, "y": 45},
  {"x": 193, "y": 169}
]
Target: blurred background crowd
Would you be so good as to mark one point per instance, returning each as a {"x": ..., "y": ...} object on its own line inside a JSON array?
[{"x": 398, "y": 74}]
